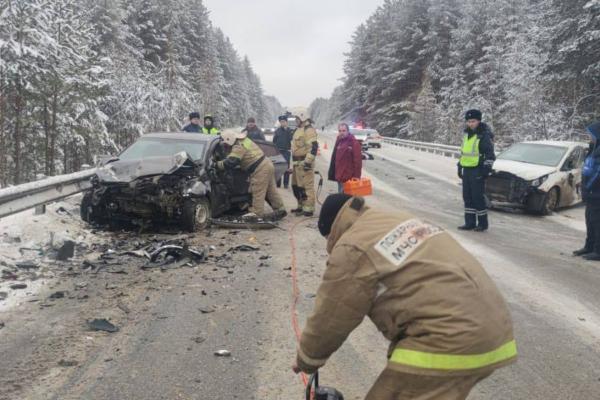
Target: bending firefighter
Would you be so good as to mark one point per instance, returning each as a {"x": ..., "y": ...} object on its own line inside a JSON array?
[
  {"x": 250, "y": 158},
  {"x": 447, "y": 324},
  {"x": 304, "y": 151}
]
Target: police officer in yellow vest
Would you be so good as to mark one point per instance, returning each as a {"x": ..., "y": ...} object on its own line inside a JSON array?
[
  {"x": 304, "y": 151},
  {"x": 250, "y": 158},
  {"x": 447, "y": 323},
  {"x": 475, "y": 165},
  {"x": 209, "y": 127}
]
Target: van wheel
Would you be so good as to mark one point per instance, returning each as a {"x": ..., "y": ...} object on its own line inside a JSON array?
[{"x": 196, "y": 214}]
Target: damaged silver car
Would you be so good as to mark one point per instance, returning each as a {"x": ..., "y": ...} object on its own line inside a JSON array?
[
  {"x": 539, "y": 177},
  {"x": 169, "y": 178}
]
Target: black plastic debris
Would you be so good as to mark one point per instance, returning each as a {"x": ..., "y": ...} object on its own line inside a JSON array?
[
  {"x": 58, "y": 295},
  {"x": 63, "y": 211},
  {"x": 2, "y": 325},
  {"x": 8, "y": 275},
  {"x": 244, "y": 247},
  {"x": 102, "y": 325},
  {"x": 65, "y": 363},
  {"x": 3, "y": 295},
  {"x": 27, "y": 265},
  {"x": 66, "y": 251},
  {"x": 18, "y": 286},
  {"x": 177, "y": 252}
]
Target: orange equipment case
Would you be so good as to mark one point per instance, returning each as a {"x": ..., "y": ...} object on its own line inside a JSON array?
[{"x": 358, "y": 187}]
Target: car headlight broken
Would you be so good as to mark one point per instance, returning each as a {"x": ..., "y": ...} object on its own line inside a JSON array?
[{"x": 539, "y": 181}]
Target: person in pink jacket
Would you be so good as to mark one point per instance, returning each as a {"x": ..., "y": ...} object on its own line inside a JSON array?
[{"x": 346, "y": 160}]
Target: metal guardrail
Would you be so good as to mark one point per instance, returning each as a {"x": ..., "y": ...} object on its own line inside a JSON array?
[
  {"x": 443, "y": 149},
  {"x": 29, "y": 195}
]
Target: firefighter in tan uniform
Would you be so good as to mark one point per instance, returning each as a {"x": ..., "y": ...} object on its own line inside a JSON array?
[
  {"x": 447, "y": 324},
  {"x": 250, "y": 158},
  {"x": 304, "y": 151}
]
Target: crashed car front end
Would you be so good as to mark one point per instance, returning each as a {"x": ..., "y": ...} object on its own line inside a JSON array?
[
  {"x": 150, "y": 189},
  {"x": 505, "y": 189}
]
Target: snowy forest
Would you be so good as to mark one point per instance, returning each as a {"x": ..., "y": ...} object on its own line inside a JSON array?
[
  {"x": 415, "y": 66},
  {"x": 80, "y": 78}
]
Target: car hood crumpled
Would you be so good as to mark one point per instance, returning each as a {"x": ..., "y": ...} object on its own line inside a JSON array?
[
  {"x": 125, "y": 171},
  {"x": 525, "y": 171}
]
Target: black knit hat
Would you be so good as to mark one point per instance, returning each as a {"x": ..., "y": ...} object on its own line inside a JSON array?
[
  {"x": 329, "y": 211},
  {"x": 473, "y": 114},
  {"x": 194, "y": 115}
]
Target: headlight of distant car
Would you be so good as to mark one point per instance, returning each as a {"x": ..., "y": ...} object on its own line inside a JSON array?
[{"x": 539, "y": 181}]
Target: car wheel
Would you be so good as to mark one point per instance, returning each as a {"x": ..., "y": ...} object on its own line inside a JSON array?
[
  {"x": 550, "y": 203},
  {"x": 84, "y": 207},
  {"x": 196, "y": 214},
  {"x": 87, "y": 211}
]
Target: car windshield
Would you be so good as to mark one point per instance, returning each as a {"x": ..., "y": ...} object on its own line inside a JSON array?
[
  {"x": 539, "y": 154},
  {"x": 157, "y": 147}
]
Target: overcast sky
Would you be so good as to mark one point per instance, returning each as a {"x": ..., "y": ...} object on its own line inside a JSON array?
[{"x": 296, "y": 47}]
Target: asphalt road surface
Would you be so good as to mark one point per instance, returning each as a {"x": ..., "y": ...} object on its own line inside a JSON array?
[{"x": 177, "y": 319}]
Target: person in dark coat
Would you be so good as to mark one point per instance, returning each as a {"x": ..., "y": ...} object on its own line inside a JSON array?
[
  {"x": 283, "y": 140},
  {"x": 194, "y": 126},
  {"x": 346, "y": 159},
  {"x": 591, "y": 196},
  {"x": 253, "y": 131},
  {"x": 475, "y": 165}
]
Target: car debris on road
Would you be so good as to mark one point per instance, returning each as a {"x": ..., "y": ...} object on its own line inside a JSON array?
[{"x": 102, "y": 325}]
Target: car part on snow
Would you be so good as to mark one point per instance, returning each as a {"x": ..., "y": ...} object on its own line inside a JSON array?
[{"x": 102, "y": 325}]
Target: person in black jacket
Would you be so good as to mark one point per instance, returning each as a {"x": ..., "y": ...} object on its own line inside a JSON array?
[
  {"x": 194, "y": 125},
  {"x": 253, "y": 131},
  {"x": 283, "y": 140},
  {"x": 475, "y": 165},
  {"x": 591, "y": 196}
]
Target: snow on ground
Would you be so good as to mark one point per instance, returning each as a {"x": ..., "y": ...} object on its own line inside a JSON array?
[{"x": 29, "y": 237}]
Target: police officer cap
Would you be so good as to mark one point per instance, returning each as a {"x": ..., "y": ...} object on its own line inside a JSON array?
[
  {"x": 473, "y": 114},
  {"x": 329, "y": 211},
  {"x": 282, "y": 118},
  {"x": 194, "y": 115}
]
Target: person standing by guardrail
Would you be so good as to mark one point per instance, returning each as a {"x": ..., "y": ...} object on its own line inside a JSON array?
[
  {"x": 475, "y": 165},
  {"x": 346, "y": 159},
  {"x": 283, "y": 140},
  {"x": 591, "y": 197}
]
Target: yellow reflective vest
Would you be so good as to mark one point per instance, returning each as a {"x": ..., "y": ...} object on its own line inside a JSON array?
[
  {"x": 211, "y": 131},
  {"x": 470, "y": 155}
]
